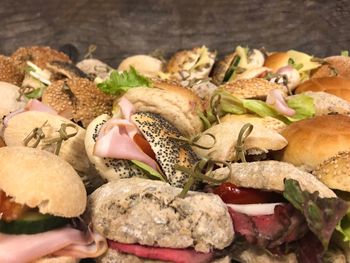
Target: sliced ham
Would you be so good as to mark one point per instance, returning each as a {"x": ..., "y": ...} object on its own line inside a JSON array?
[
  {"x": 286, "y": 224},
  {"x": 165, "y": 254},
  {"x": 61, "y": 242},
  {"x": 276, "y": 100},
  {"x": 117, "y": 138}
]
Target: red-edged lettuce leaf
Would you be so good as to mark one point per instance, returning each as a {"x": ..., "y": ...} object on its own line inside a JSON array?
[{"x": 321, "y": 214}]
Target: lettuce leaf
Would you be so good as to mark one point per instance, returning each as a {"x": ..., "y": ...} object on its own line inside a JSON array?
[
  {"x": 150, "y": 172},
  {"x": 303, "y": 105},
  {"x": 119, "y": 83},
  {"x": 344, "y": 227},
  {"x": 262, "y": 109},
  {"x": 322, "y": 214}
]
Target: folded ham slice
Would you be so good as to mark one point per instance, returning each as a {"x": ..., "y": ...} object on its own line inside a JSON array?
[
  {"x": 61, "y": 242},
  {"x": 116, "y": 138},
  {"x": 276, "y": 100},
  {"x": 165, "y": 254}
]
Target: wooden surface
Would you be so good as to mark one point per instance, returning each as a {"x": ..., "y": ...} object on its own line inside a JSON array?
[{"x": 121, "y": 28}]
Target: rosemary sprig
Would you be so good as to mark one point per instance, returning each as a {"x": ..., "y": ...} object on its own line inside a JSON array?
[{"x": 242, "y": 136}]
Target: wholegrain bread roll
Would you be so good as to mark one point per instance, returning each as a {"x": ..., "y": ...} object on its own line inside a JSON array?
[
  {"x": 312, "y": 141},
  {"x": 337, "y": 86},
  {"x": 176, "y": 104},
  {"x": 261, "y": 140},
  {"x": 333, "y": 66},
  {"x": 51, "y": 184},
  {"x": 270, "y": 176}
]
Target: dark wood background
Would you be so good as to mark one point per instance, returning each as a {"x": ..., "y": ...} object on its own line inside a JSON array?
[{"x": 124, "y": 27}]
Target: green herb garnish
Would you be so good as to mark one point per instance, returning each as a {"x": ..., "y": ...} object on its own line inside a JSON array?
[
  {"x": 119, "y": 83},
  {"x": 344, "y": 53}
]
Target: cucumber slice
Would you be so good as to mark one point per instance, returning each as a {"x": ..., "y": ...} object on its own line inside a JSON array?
[{"x": 32, "y": 223}]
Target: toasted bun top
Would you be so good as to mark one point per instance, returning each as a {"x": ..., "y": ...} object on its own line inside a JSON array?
[
  {"x": 40, "y": 179},
  {"x": 142, "y": 63},
  {"x": 252, "y": 88},
  {"x": 277, "y": 60},
  {"x": 149, "y": 212},
  {"x": 337, "y": 86},
  {"x": 270, "y": 176},
  {"x": 174, "y": 103},
  {"x": 312, "y": 141},
  {"x": 336, "y": 65}
]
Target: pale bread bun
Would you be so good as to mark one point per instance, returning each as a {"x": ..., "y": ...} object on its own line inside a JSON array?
[
  {"x": 95, "y": 67},
  {"x": 252, "y": 88},
  {"x": 334, "y": 66},
  {"x": 144, "y": 64},
  {"x": 226, "y": 134},
  {"x": 267, "y": 122},
  {"x": 312, "y": 141},
  {"x": 72, "y": 150},
  {"x": 335, "y": 172},
  {"x": 149, "y": 212},
  {"x": 277, "y": 60},
  {"x": 270, "y": 176},
  {"x": 253, "y": 255},
  {"x": 337, "y": 86},
  {"x": 326, "y": 103},
  {"x": 8, "y": 102},
  {"x": 40, "y": 179},
  {"x": 176, "y": 104},
  {"x": 56, "y": 260}
]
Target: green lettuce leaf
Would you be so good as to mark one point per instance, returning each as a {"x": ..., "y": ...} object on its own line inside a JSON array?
[
  {"x": 119, "y": 83},
  {"x": 344, "y": 227},
  {"x": 322, "y": 214},
  {"x": 262, "y": 109},
  {"x": 150, "y": 172},
  {"x": 35, "y": 94},
  {"x": 303, "y": 105}
]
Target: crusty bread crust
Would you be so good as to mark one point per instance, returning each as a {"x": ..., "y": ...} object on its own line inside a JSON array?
[
  {"x": 253, "y": 255},
  {"x": 40, "y": 179},
  {"x": 176, "y": 104},
  {"x": 270, "y": 176},
  {"x": 226, "y": 134},
  {"x": 150, "y": 213},
  {"x": 337, "y": 86},
  {"x": 312, "y": 141}
]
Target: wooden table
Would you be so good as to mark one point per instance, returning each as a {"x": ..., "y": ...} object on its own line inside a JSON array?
[{"x": 122, "y": 28}]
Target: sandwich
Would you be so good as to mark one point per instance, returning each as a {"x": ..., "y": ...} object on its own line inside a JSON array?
[
  {"x": 279, "y": 209},
  {"x": 333, "y": 66},
  {"x": 144, "y": 64},
  {"x": 40, "y": 195},
  {"x": 147, "y": 220}
]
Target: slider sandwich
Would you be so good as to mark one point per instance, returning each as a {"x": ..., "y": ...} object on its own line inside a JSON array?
[
  {"x": 41, "y": 198},
  {"x": 334, "y": 66},
  {"x": 146, "y": 221}
]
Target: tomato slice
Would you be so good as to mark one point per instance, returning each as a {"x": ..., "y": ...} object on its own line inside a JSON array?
[
  {"x": 144, "y": 145},
  {"x": 232, "y": 194},
  {"x": 10, "y": 210}
]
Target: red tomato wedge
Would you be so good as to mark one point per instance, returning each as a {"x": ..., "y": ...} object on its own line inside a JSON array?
[
  {"x": 232, "y": 194},
  {"x": 165, "y": 254}
]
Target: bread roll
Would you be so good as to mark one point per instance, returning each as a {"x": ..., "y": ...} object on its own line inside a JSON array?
[
  {"x": 334, "y": 66},
  {"x": 312, "y": 141},
  {"x": 277, "y": 60},
  {"x": 337, "y": 86},
  {"x": 144, "y": 64}
]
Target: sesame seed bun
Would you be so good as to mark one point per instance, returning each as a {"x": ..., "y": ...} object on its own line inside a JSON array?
[
  {"x": 77, "y": 98},
  {"x": 335, "y": 172},
  {"x": 313, "y": 141},
  {"x": 176, "y": 104},
  {"x": 39, "y": 55},
  {"x": 337, "y": 86},
  {"x": 252, "y": 88},
  {"x": 40, "y": 179},
  {"x": 276, "y": 60},
  {"x": 9, "y": 72},
  {"x": 144, "y": 64},
  {"x": 334, "y": 66},
  {"x": 270, "y": 176}
]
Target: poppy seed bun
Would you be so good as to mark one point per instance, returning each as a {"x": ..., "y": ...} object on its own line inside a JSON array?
[
  {"x": 176, "y": 104},
  {"x": 40, "y": 179},
  {"x": 334, "y": 66},
  {"x": 312, "y": 141},
  {"x": 270, "y": 176},
  {"x": 149, "y": 212},
  {"x": 335, "y": 172},
  {"x": 337, "y": 86}
]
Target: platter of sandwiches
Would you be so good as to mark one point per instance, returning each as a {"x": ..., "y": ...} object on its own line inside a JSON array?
[{"x": 193, "y": 159}]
